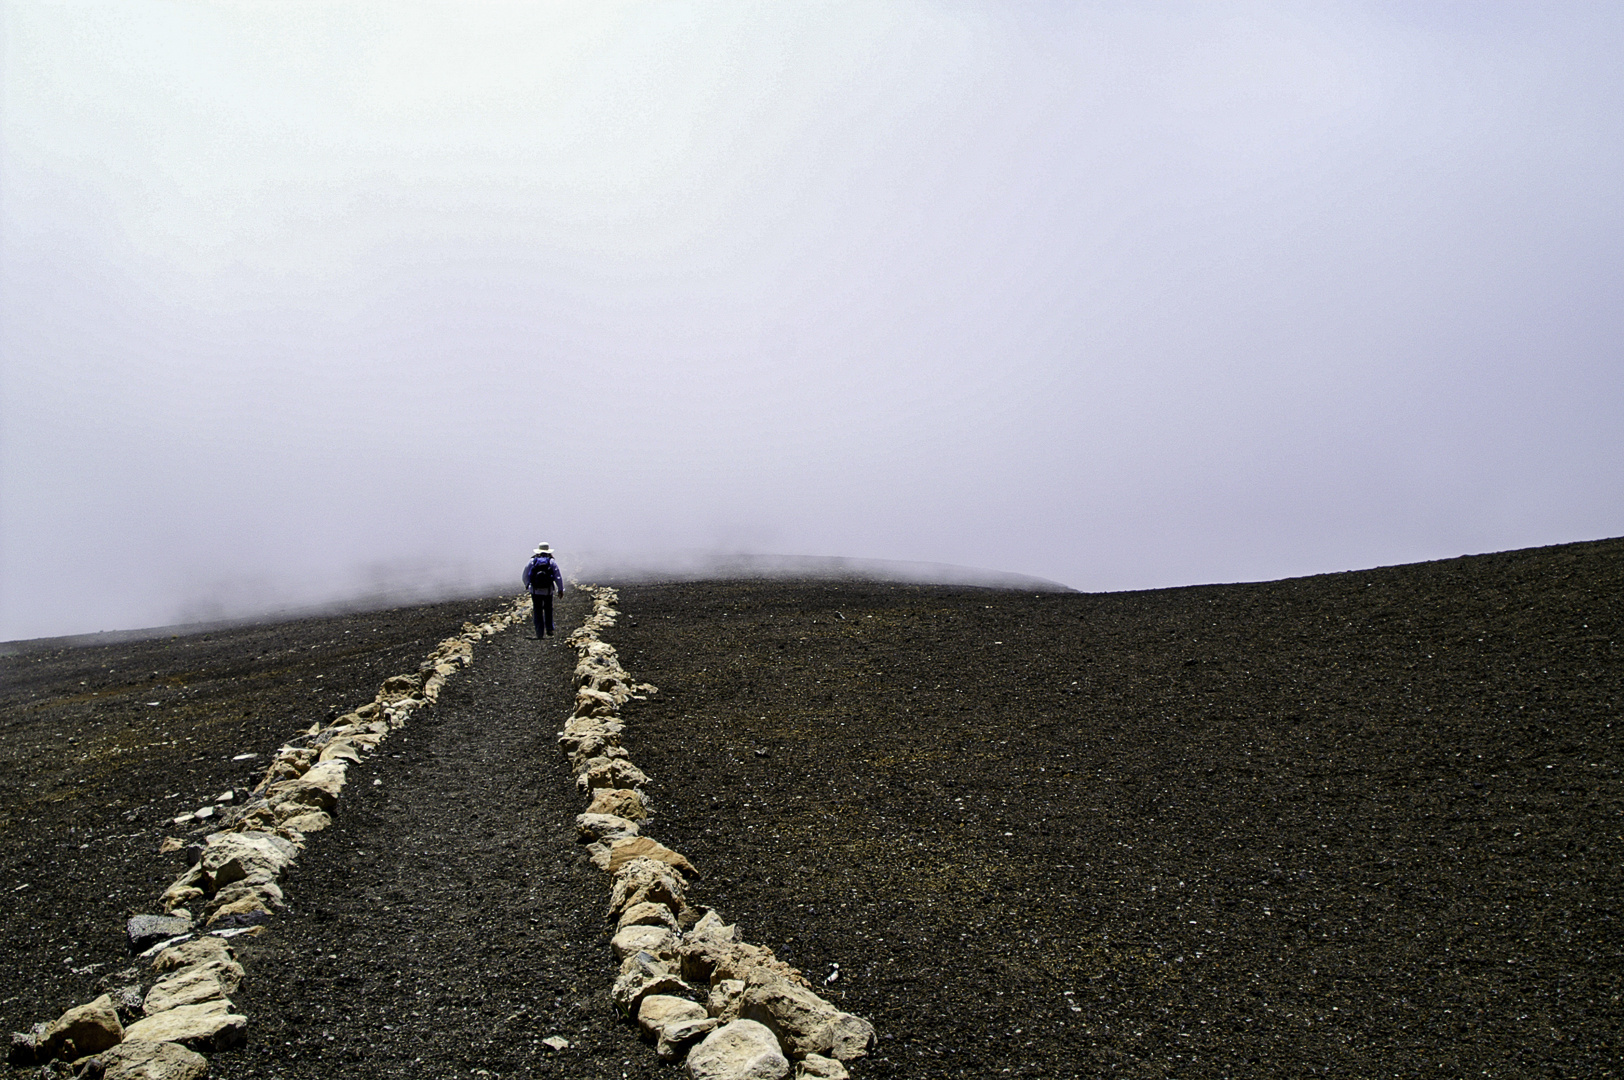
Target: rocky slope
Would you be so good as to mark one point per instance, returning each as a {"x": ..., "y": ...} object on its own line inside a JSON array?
[{"x": 1357, "y": 824}]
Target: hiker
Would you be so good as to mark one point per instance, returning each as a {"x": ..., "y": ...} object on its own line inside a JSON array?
[{"x": 541, "y": 574}]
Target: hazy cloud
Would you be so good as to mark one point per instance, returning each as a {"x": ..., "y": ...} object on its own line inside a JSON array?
[{"x": 302, "y": 301}]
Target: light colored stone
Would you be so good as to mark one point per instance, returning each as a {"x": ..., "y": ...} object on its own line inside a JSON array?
[
  {"x": 796, "y": 1015},
  {"x": 186, "y": 888},
  {"x": 725, "y": 999},
  {"x": 397, "y": 687},
  {"x": 86, "y": 1029},
  {"x": 711, "y": 927},
  {"x": 657, "y": 1011},
  {"x": 850, "y": 1037},
  {"x": 604, "y": 772},
  {"x": 803, "y": 1021},
  {"x": 643, "y": 847},
  {"x": 306, "y": 821},
  {"x": 340, "y": 749},
  {"x": 581, "y": 762},
  {"x": 203, "y": 950},
  {"x": 706, "y": 960},
  {"x": 610, "y": 726},
  {"x": 646, "y": 881},
  {"x": 593, "y": 703},
  {"x": 209, "y": 1025},
  {"x": 582, "y": 746},
  {"x": 818, "y": 1067},
  {"x": 206, "y": 982},
  {"x": 139, "y": 1059},
  {"x": 318, "y": 788},
  {"x": 675, "y": 1039},
  {"x": 268, "y": 893},
  {"x": 642, "y": 974},
  {"x": 245, "y": 856},
  {"x": 604, "y": 827},
  {"x": 655, "y": 940},
  {"x": 243, "y": 905},
  {"x": 646, "y": 914},
  {"x": 742, "y": 1050},
  {"x": 622, "y": 802},
  {"x": 288, "y": 764}
]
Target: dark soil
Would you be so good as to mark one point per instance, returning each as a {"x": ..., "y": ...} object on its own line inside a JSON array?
[
  {"x": 1355, "y": 825},
  {"x": 101, "y": 745}
]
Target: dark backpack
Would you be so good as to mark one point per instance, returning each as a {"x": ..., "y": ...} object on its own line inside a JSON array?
[{"x": 541, "y": 574}]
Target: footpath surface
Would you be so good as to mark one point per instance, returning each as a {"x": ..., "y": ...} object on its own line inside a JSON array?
[
  {"x": 449, "y": 924},
  {"x": 102, "y": 742},
  {"x": 446, "y": 924}
]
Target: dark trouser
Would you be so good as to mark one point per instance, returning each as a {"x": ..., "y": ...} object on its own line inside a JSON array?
[{"x": 542, "y": 607}]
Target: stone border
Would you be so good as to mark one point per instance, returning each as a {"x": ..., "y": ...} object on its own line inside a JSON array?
[
  {"x": 694, "y": 987},
  {"x": 235, "y": 877}
]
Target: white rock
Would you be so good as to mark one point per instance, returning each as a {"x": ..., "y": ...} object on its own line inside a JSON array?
[
  {"x": 642, "y": 974},
  {"x": 308, "y": 821},
  {"x": 189, "y": 986},
  {"x": 645, "y": 847},
  {"x": 646, "y": 914},
  {"x": 742, "y": 1050},
  {"x": 139, "y": 1059},
  {"x": 818, "y": 1067},
  {"x": 210, "y": 1025},
  {"x": 204, "y": 950},
  {"x": 676, "y": 1038},
  {"x": 604, "y": 826},
  {"x": 646, "y": 881},
  {"x": 317, "y": 788},
  {"x": 655, "y": 940},
  {"x": 90, "y": 1028},
  {"x": 339, "y": 749},
  {"x": 661, "y": 1010},
  {"x": 607, "y": 772},
  {"x": 805, "y": 1022},
  {"x": 245, "y": 856},
  {"x": 725, "y": 999},
  {"x": 711, "y": 927}
]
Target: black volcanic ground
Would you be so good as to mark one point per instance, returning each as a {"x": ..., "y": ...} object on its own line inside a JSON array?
[{"x": 1363, "y": 824}]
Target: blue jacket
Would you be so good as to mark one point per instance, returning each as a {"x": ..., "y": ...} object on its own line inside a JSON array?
[{"x": 538, "y": 579}]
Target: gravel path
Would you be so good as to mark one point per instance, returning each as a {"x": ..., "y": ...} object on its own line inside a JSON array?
[
  {"x": 101, "y": 743},
  {"x": 450, "y": 923}
]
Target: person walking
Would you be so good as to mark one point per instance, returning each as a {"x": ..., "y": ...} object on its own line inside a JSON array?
[{"x": 541, "y": 576}]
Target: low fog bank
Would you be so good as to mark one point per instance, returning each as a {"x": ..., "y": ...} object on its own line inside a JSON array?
[
  {"x": 223, "y": 610},
  {"x": 415, "y": 584},
  {"x": 700, "y": 565}
]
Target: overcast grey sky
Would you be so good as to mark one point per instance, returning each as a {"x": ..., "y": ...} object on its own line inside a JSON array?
[{"x": 304, "y": 299}]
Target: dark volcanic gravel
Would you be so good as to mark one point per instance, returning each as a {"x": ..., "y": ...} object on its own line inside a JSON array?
[
  {"x": 1364, "y": 824},
  {"x": 100, "y": 745}
]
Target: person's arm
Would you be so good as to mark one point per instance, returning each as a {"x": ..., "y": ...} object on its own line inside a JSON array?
[
  {"x": 558, "y": 576},
  {"x": 528, "y": 567}
]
